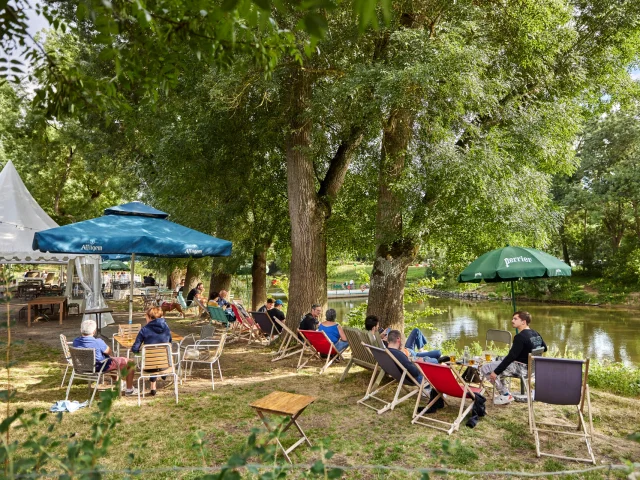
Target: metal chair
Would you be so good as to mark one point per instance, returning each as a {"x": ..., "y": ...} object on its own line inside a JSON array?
[
  {"x": 84, "y": 368},
  {"x": 156, "y": 361},
  {"x": 206, "y": 351},
  {"x": 560, "y": 381},
  {"x": 501, "y": 336},
  {"x": 67, "y": 357}
]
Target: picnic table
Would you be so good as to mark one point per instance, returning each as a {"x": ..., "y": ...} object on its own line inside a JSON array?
[
  {"x": 60, "y": 301},
  {"x": 287, "y": 405}
]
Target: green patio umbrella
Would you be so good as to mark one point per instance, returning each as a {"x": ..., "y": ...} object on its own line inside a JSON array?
[
  {"x": 114, "y": 265},
  {"x": 510, "y": 264}
]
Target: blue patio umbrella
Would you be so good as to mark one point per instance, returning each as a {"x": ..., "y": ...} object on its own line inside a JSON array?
[{"x": 132, "y": 229}]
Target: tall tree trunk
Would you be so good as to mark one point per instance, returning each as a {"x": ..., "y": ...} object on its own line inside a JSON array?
[
  {"x": 174, "y": 278},
  {"x": 191, "y": 278},
  {"x": 259, "y": 276},
  {"x": 220, "y": 281},
  {"x": 309, "y": 209},
  {"x": 394, "y": 253},
  {"x": 308, "y": 282}
]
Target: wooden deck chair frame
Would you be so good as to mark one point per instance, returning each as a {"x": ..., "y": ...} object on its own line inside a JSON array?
[
  {"x": 243, "y": 326},
  {"x": 375, "y": 388},
  {"x": 84, "y": 368},
  {"x": 466, "y": 392},
  {"x": 67, "y": 357},
  {"x": 266, "y": 328},
  {"x": 332, "y": 355},
  {"x": 580, "y": 430},
  {"x": 202, "y": 349},
  {"x": 360, "y": 355},
  {"x": 290, "y": 343},
  {"x": 157, "y": 361}
]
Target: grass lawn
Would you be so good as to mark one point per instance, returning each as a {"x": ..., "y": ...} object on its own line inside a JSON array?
[
  {"x": 163, "y": 434},
  {"x": 346, "y": 272}
]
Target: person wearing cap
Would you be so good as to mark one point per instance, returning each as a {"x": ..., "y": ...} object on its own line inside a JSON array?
[
  {"x": 267, "y": 306},
  {"x": 276, "y": 312},
  {"x": 103, "y": 354}
]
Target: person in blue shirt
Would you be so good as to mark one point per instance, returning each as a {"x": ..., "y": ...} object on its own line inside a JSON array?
[
  {"x": 155, "y": 331},
  {"x": 103, "y": 354},
  {"x": 333, "y": 330}
]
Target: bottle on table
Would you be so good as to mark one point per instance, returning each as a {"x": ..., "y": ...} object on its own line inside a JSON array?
[{"x": 466, "y": 356}]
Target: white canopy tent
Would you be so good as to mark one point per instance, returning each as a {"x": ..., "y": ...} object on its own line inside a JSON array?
[{"x": 20, "y": 218}]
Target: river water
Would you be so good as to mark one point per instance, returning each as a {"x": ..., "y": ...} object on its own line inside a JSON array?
[{"x": 594, "y": 332}]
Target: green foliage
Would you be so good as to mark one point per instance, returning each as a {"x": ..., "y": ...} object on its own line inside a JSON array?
[{"x": 615, "y": 378}]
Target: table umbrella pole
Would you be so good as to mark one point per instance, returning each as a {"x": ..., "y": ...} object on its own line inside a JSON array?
[
  {"x": 131, "y": 284},
  {"x": 513, "y": 297}
]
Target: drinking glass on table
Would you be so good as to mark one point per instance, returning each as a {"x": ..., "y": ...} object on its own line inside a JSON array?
[
  {"x": 472, "y": 361},
  {"x": 487, "y": 356},
  {"x": 452, "y": 358}
]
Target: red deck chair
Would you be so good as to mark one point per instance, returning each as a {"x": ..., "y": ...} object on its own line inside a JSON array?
[
  {"x": 318, "y": 344},
  {"x": 445, "y": 381},
  {"x": 242, "y": 324}
]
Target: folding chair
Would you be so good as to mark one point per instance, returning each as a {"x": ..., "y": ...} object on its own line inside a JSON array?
[
  {"x": 386, "y": 362},
  {"x": 290, "y": 343},
  {"x": 183, "y": 303},
  {"x": 445, "y": 381},
  {"x": 265, "y": 324},
  {"x": 502, "y": 336},
  {"x": 207, "y": 352},
  {"x": 217, "y": 315},
  {"x": 318, "y": 345},
  {"x": 360, "y": 355},
  {"x": 244, "y": 324},
  {"x": 157, "y": 360},
  {"x": 84, "y": 368},
  {"x": 560, "y": 381},
  {"x": 67, "y": 356}
]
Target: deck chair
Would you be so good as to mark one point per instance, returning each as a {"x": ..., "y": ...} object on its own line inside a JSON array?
[
  {"x": 446, "y": 381},
  {"x": 183, "y": 303},
  {"x": 318, "y": 344},
  {"x": 560, "y": 381},
  {"x": 387, "y": 363},
  {"x": 501, "y": 336},
  {"x": 84, "y": 368},
  {"x": 67, "y": 357},
  {"x": 244, "y": 325},
  {"x": 157, "y": 360},
  {"x": 360, "y": 355},
  {"x": 267, "y": 329},
  {"x": 207, "y": 352},
  {"x": 217, "y": 315},
  {"x": 48, "y": 283},
  {"x": 290, "y": 343}
]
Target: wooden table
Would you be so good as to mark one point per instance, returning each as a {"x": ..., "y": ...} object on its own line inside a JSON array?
[
  {"x": 127, "y": 341},
  {"x": 61, "y": 301},
  {"x": 287, "y": 405}
]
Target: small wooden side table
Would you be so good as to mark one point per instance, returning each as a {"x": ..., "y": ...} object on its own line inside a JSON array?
[{"x": 286, "y": 405}]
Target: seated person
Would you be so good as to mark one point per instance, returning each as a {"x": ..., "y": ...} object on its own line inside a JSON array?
[
  {"x": 213, "y": 299},
  {"x": 155, "y": 331},
  {"x": 515, "y": 364},
  {"x": 394, "y": 341},
  {"x": 415, "y": 340},
  {"x": 276, "y": 312},
  {"x": 180, "y": 286},
  {"x": 196, "y": 294},
  {"x": 267, "y": 306},
  {"x": 310, "y": 320},
  {"x": 103, "y": 354},
  {"x": 333, "y": 330},
  {"x": 223, "y": 301}
]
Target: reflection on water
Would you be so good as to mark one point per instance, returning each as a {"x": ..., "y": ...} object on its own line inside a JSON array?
[{"x": 595, "y": 332}]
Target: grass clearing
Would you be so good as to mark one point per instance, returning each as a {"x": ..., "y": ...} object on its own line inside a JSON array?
[{"x": 163, "y": 434}]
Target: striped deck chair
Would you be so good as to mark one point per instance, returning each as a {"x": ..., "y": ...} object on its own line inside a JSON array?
[
  {"x": 266, "y": 329},
  {"x": 318, "y": 344},
  {"x": 244, "y": 326},
  {"x": 290, "y": 343},
  {"x": 445, "y": 381},
  {"x": 386, "y": 362},
  {"x": 360, "y": 355}
]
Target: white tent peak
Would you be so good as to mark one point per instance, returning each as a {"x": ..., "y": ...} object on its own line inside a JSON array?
[{"x": 20, "y": 218}]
